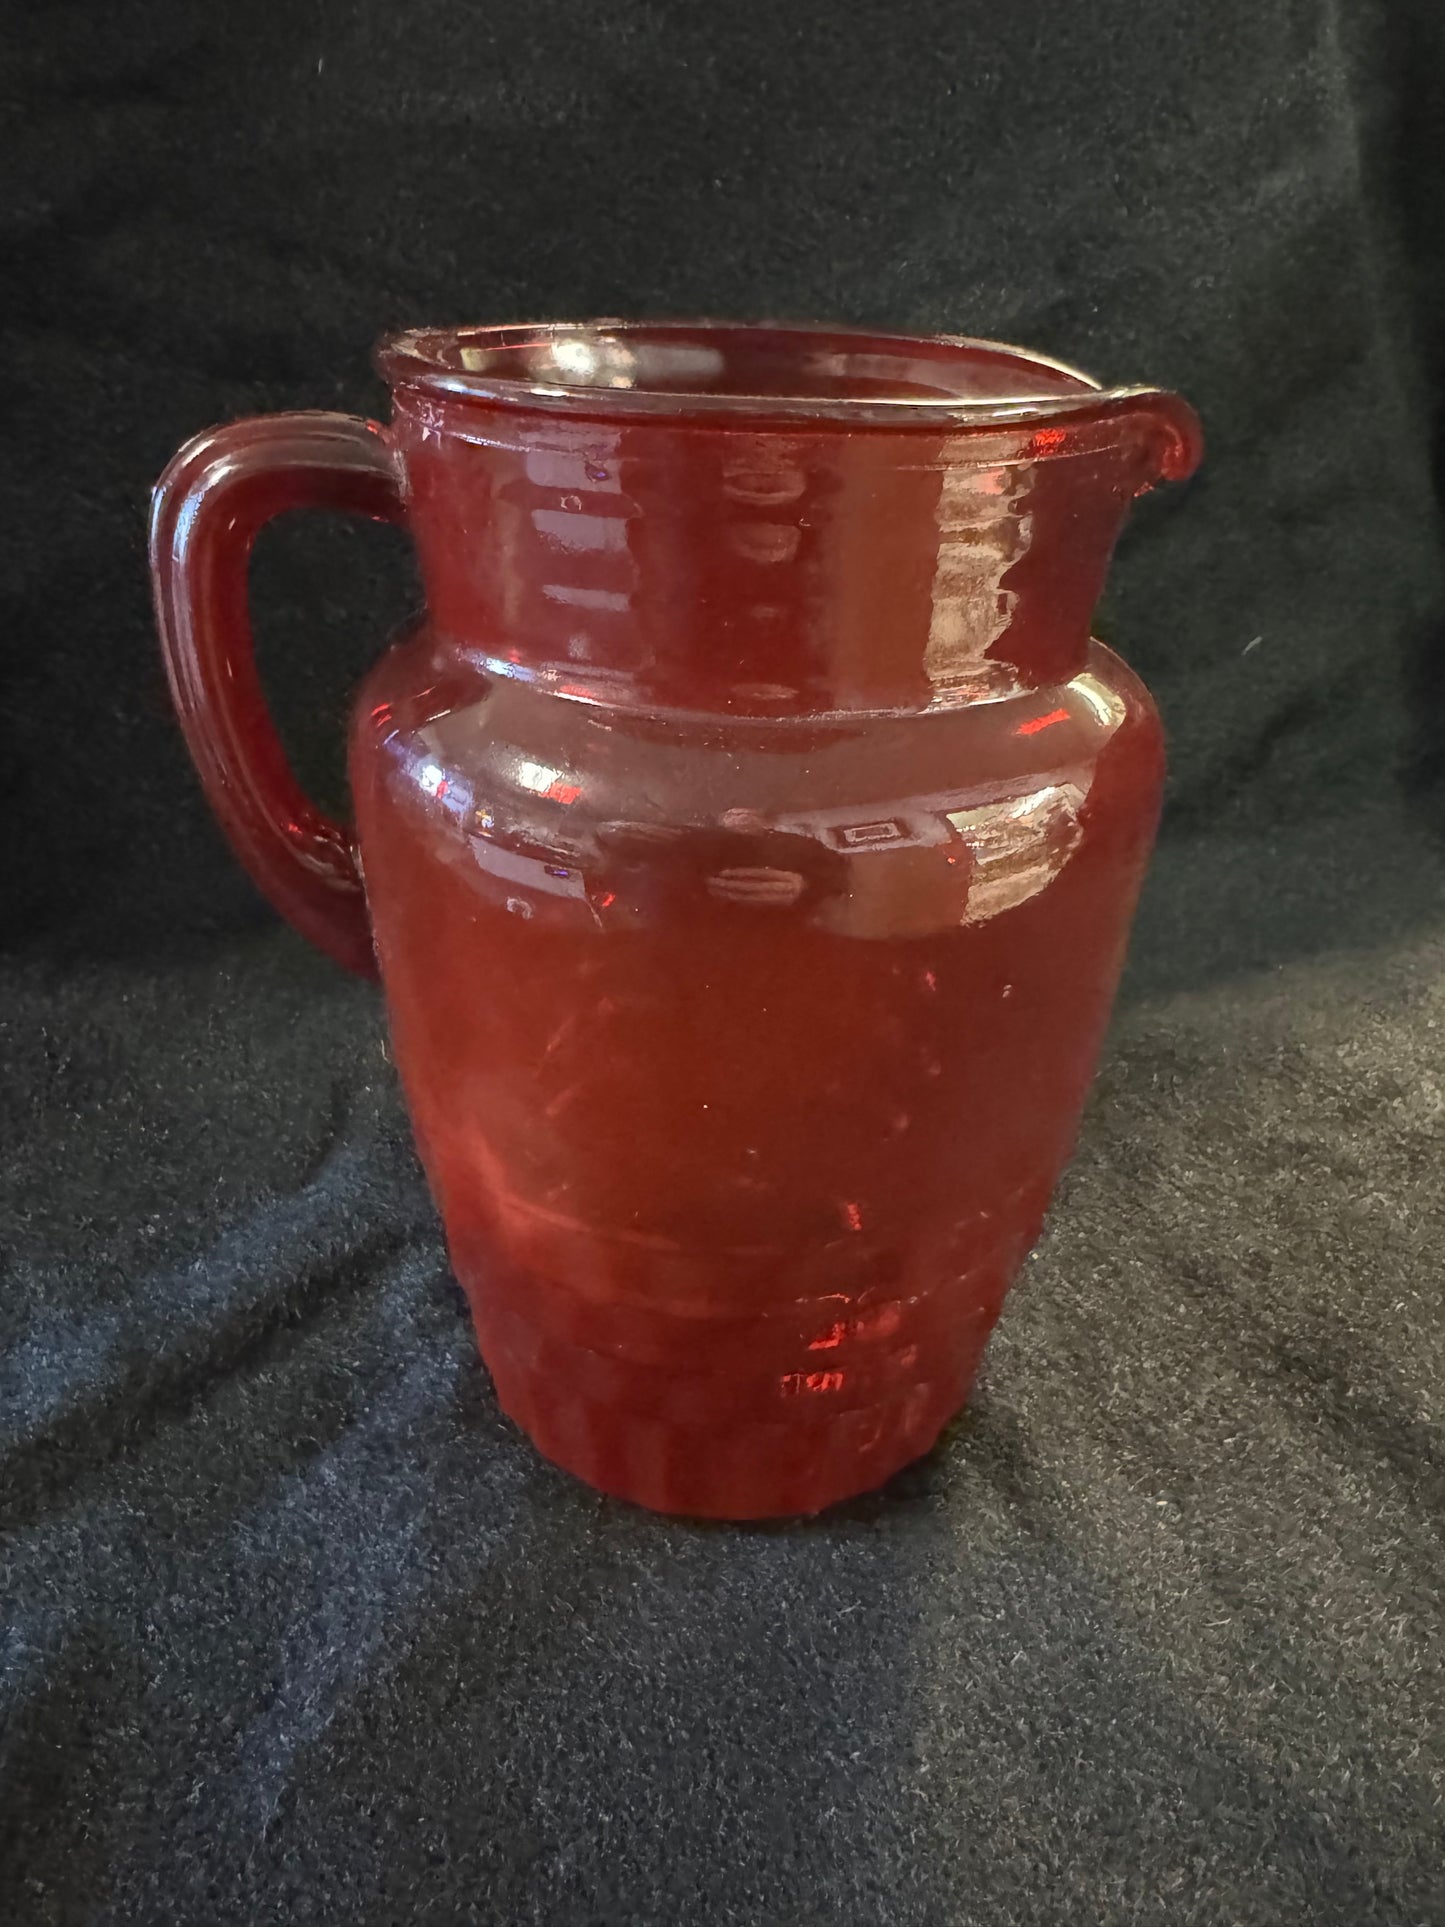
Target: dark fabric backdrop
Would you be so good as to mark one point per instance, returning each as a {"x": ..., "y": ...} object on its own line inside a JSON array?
[{"x": 296, "y": 1627}]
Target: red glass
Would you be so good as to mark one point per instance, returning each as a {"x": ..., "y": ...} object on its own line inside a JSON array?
[{"x": 751, "y": 833}]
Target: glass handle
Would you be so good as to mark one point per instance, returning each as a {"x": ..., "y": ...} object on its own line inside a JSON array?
[{"x": 208, "y": 507}]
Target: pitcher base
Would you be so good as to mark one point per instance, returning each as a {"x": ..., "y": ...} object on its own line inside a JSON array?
[{"x": 751, "y": 1469}]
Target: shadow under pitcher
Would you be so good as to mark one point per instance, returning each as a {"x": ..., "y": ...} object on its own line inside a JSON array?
[{"x": 746, "y": 838}]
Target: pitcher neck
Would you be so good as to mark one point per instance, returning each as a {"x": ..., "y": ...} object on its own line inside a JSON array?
[{"x": 770, "y": 569}]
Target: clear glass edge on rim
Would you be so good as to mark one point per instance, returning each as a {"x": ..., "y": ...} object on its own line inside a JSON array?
[{"x": 407, "y": 359}]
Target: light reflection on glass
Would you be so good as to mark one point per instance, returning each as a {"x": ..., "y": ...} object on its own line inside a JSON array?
[
  {"x": 586, "y": 361},
  {"x": 535, "y": 873},
  {"x": 1036, "y": 723},
  {"x": 579, "y": 598},
  {"x": 791, "y": 1384},
  {"x": 576, "y": 358},
  {"x": 538, "y": 777},
  {"x": 1106, "y": 703},
  {"x": 576, "y": 531},
  {"x": 983, "y": 530},
  {"x": 1019, "y": 846}
]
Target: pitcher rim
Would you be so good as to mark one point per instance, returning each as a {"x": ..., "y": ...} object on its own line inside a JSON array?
[{"x": 415, "y": 358}]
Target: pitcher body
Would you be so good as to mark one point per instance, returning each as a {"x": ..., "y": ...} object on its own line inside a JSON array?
[{"x": 749, "y": 835}]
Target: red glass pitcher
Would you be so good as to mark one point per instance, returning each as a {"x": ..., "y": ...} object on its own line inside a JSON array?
[{"x": 747, "y": 838}]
